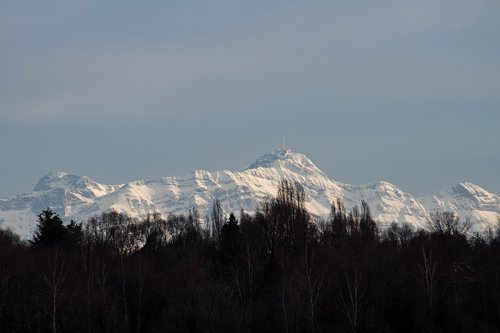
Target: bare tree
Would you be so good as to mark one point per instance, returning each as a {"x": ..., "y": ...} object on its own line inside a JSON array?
[
  {"x": 428, "y": 274},
  {"x": 287, "y": 219},
  {"x": 449, "y": 223},
  {"x": 283, "y": 306},
  {"x": 351, "y": 299},
  {"x": 141, "y": 278},
  {"x": 86, "y": 261},
  {"x": 217, "y": 219},
  {"x": 54, "y": 280},
  {"x": 314, "y": 285}
]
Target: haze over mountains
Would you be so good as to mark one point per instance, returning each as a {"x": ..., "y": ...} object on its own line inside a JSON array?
[{"x": 79, "y": 197}]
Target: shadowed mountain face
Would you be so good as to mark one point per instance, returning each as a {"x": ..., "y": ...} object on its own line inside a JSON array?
[{"x": 76, "y": 197}]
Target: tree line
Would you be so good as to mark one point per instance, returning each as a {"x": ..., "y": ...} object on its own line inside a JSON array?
[{"x": 278, "y": 270}]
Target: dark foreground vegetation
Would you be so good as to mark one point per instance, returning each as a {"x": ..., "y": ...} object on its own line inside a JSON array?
[{"x": 275, "y": 271}]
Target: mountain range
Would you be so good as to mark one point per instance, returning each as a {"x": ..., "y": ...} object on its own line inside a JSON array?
[{"x": 79, "y": 197}]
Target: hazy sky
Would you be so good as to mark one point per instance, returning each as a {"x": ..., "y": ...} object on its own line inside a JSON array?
[{"x": 403, "y": 91}]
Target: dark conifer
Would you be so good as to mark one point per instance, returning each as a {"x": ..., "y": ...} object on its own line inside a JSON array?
[
  {"x": 49, "y": 230},
  {"x": 230, "y": 237}
]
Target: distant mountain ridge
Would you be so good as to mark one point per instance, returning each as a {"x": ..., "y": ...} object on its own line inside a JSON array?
[{"x": 79, "y": 197}]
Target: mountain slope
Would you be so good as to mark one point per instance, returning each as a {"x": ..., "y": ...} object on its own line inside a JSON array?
[{"x": 76, "y": 197}]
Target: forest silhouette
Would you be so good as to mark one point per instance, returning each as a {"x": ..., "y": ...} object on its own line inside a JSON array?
[{"x": 278, "y": 270}]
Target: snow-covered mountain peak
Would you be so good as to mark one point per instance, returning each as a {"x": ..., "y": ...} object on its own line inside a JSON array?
[
  {"x": 79, "y": 197},
  {"x": 200, "y": 174},
  {"x": 56, "y": 179},
  {"x": 467, "y": 199},
  {"x": 268, "y": 160},
  {"x": 286, "y": 159},
  {"x": 476, "y": 194},
  {"x": 74, "y": 183},
  {"x": 470, "y": 189},
  {"x": 467, "y": 192},
  {"x": 380, "y": 186}
]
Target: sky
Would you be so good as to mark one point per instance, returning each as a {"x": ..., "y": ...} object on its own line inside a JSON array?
[{"x": 402, "y": 91}]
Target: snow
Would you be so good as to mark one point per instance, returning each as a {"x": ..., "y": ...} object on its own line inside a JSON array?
[{"x": 77, "y": 197}]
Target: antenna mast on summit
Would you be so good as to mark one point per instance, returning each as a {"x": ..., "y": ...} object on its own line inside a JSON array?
[{"x": 284, "y": 148}]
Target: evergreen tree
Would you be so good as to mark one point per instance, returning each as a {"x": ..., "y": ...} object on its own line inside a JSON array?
[
  {"x": 73, "y": 235},
  {"x": 230, "y": 237},
  {"x": 49, "y": 230}
]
